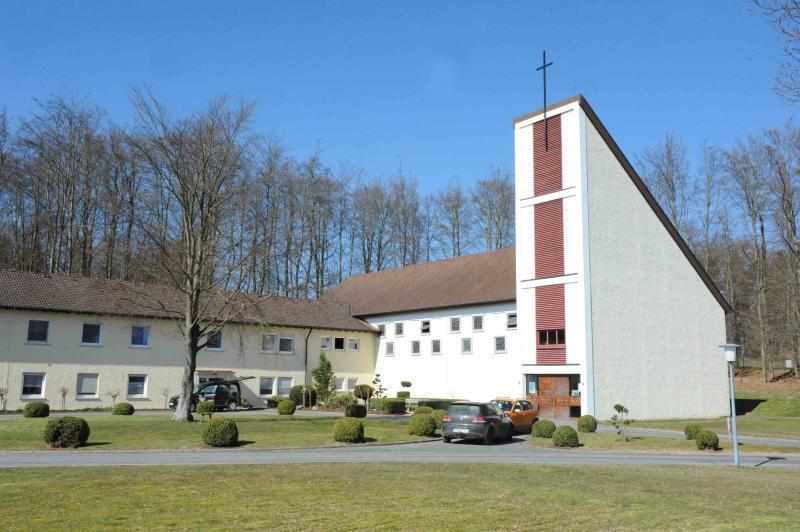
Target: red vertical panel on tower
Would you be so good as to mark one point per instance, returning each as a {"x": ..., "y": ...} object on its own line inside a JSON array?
[
  {"x": 548, "y": 239},
  {"x": 547, "y": 175},
  {"x": 550, "y": 315}
]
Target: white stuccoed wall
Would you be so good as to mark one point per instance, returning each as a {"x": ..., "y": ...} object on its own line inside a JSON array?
[{"x": 656, "y": 326}]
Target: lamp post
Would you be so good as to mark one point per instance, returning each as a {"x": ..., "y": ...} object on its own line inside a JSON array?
[{"x": 730, "y": 357}]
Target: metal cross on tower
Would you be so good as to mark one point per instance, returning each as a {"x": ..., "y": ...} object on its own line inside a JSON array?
[{"x": 543, "y": 68}]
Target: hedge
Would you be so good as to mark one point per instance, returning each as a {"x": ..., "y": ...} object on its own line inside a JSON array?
[
  {"x": 436, "y": 404},
  {"x": 122, "y": 409},
  {"x": 221, "y": 432},
  {"x": 422, "y": 425},
  {"x": 707, "y": 440},
  {"x": 423, "y": 410},
  {"x": 394, "y": 406},
  {"x": 692, "y": 430},
  {"x": 565, "y": 436},
  {"x": 296, "y": 394},
  {"x": 36, "y": 409},
  {"x": 286, "y": 407},
  {"x": 438, "y": 414},
  {"x": 348, "y": 429},
  {"x": 66, "y": 432},
  {"x": 587, "y": 423},
  {"x": 355, "y": 410},
  {"x": 544, "y": 428},
  {"x": 404, "y": 395}
]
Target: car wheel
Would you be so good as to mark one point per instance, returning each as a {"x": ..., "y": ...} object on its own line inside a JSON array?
[
  {"x": 510, "y": 435},
  {"x": 489, "y": 438},
  {"x": 232, "y": 406},
  {"x": 447, "y": 439}
]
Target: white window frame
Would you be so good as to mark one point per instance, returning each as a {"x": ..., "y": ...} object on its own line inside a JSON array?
[
  {"x": 416, "y": 344},
  {"x": 344, "y": 343},
  {"x": 278, "y": 385},
  {"x": 508, "y": 321},
  {"x": 357, "y": 343},
  {"x": 436, "y": 351},
  {"x": 340, "y": 383},
  {"x": 325, "y": 343},
  {"x": 44, "y": 382},
  {"x": 285, "y": 337},
  {"x": 422, "y": 327},
  {"x": 353, "y": 381},
  {"x": 505, "y": 346},
  {"x": 99, "y": 334},
  {"x": 221, "y": 342},
  {"x": 474, "y": 329},
  {"x": 143, "y": 395},
  {"x": 463, "y": 343},
  {"x": 398, "y": 327},
  {"x": 37, "y": 342},
  {"x": 274, "y": 343},
  {"x": 272, "y": 386},
  {"x": 389, "y": 349},
  {"x": 79, "y": 395},
  {"x": 455, "y": 321},
  {"x": 141, "y": 346}
]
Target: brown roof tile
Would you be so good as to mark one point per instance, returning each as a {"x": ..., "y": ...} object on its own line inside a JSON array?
[
  {"x": 470, "y": 280},
  {"x": 82, "y": 295}
]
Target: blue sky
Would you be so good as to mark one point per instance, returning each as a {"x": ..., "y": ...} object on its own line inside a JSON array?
[{"x": 432, "y": 87}]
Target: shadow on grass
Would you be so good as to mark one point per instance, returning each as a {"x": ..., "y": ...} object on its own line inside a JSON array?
[
  {"x": 96, "y": 443},
  {"x": 744, "y": 406},
  {"x": 245, "y": 443}
]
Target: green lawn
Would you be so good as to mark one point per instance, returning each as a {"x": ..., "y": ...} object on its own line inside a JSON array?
[
  {"x": 142, "y": 431},
  {"x": 398, "y": 496},
  {"x": 602, "y": 441}
]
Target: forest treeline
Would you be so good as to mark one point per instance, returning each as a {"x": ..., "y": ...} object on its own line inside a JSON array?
[{"x": 82, "y": 195}]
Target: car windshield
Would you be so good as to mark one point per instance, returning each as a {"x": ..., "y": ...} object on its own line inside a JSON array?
[
  {"x": 464, "y": 410},
  {"x": 504, "y": 405},
  {"x": 208, "y": 389}
]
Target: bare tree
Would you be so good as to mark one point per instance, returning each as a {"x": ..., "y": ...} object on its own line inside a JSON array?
[
  {"x": 455, "y": 220},
  {"x": 666, "y": 170},
  {"x": 785, "y": 14},
  {"x": 493, "y": 197}
]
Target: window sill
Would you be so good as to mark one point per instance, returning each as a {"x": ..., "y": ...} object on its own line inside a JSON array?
[
  {"x": 34, "y": 342},
  {"x": 137, "y": 397},
  {"x": 269, "y": 352},
  {"x": 140, "y": 347},
  {"x": 87, "y": 397},
  {"x": 216, "y": 349},
  {"x": 30, "y": 397},
  {"x": 90, "y": 345},
  {"x": 285, "y": 352}
]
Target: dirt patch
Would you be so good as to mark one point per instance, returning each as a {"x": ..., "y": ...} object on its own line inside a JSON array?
[{"x": 751, "y": 380}]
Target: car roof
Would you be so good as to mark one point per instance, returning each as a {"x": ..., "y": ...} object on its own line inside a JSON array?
[{"x": 468, "y": 403}]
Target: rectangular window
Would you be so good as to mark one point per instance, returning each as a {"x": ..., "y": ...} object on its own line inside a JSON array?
[
  {"x": 511, "y": 321},
  {"x": 284, "y": 385},
  {"x": 33, "y": 384},
  {"x": 477, "y": 323},
  {"x": 137, "y": 385},
  {"x": 140, "y": 336},
  {"x": 436, "y": 347},
  {"x": 90, "y": 334},
  {"x": 38, "y": 331},
  {"x": 499, "y": 344},
  {"x": 425, "y": 327},
  {"x": 382, "y": 330},
  {"x": 325, "y": 343},
  {"x": 340, "y": 382},
  {"x": 351, "y": 383},
  {"x": 87, "y": 385},
  {"x": 398, "y": 329},
  {"x": 266, "y": 386},
  {"x": 466, "y": 346},
  {"x": 214, "y": 340},
  {"x": 338, "y": 344},
  {"x": 455, "y": 324},
  {"x": 415, "y": 347},
  {"x": 551, "y": 337},
  {"x": 286, "y": 345},
  {"x": 352, "y": 344},
  {"x": 389, "y": 349},
  {"x": 269, "y": 342}
]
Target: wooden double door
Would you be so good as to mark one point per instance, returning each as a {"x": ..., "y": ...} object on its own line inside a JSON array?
[{"x": 554, "y": 397}]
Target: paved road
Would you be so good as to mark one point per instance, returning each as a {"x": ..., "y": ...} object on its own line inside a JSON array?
[{"x": 517, "y": 452}]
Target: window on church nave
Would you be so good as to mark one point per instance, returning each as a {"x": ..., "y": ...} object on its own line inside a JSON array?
[
  {"x": 466, "y": 346},
  {"x": 415, "y": 347},
  {"x": 436, "y": 347},
  {"x": 477, "y": 323},
  {"x": 389, "y": 349},
  {"x": 398, "y": 329},
  {"x": 552, "y": 337},
  {"x": 338, "y": 344},
  {"x": 455, "y": 324},
  {"x": 499, "y": 344},
  {"x": 382, "y": 330},
  {"x": 425, "y": 327},
  {"x": 511, "y": 321}
]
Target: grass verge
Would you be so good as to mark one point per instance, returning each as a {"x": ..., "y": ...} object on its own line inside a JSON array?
[
  {"x": 141, "y": 431},
  {"x": 398, "y": 496}
]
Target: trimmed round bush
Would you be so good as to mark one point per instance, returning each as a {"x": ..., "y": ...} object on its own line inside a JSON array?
[
  {"x": 692, "y": 430},
  {"x": 438, "y": 414},
  {"x": 286, "y": 407},
  {"x": 394, "y": 406},
  {"x": 221, "y": 432},
  {"x": 348, "y": 429},
  {"x": 404, "y": 395},
  {"x": 296, "y": 394},
  {"x": 544, "y": 428},
  {"x": 422, "y": 425},
  {"x": 122, "y": 409},
  {"x": 707, "y": 440},
  {"x": 355, "y": 410},
  {"x": 565, "y": 436},
  {"x": 36, "y": 409},
  {"x": 423, "y": 410},
  {"x": 206, "y": 408},
  {"x": 363, "y": 392},
  {"x": 66, "y": 432},
  {"x": 587, "y": 423}
]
